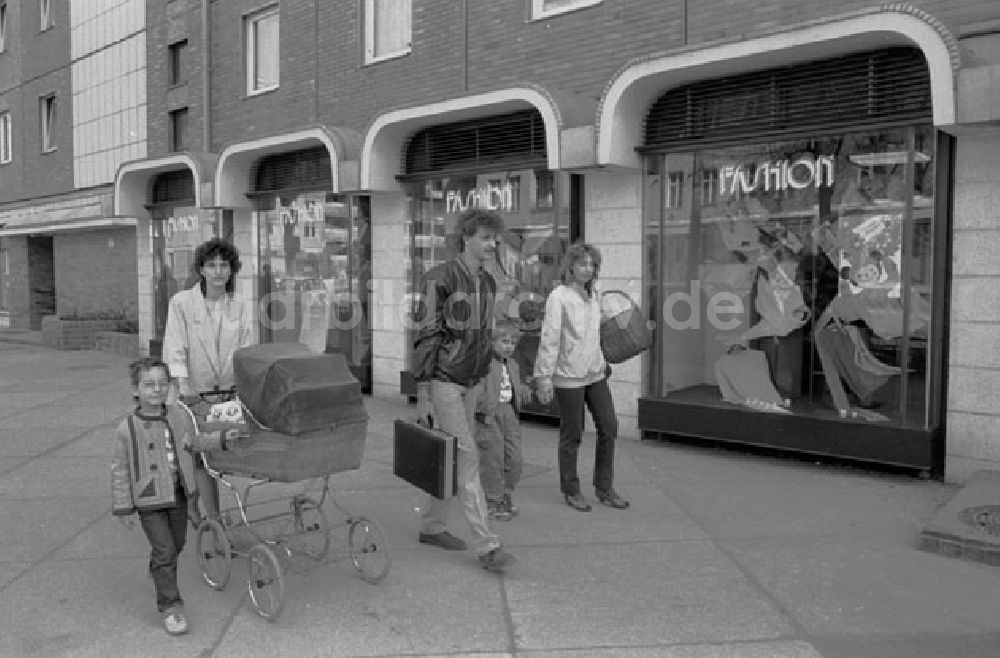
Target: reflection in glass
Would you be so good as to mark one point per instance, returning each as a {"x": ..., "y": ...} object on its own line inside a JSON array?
[
  {"x": 534, "y": 205},
  {"x": 799, "y": 281},
  {"x": 315, "y": 275}
]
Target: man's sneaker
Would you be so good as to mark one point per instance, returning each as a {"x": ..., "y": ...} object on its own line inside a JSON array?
[
  {"x": 445, "y": 540},
  {"x": 497, "y": 560},
  {"x": 498, "y": 511},
  {"x": 175, "y": 622},
  {"x": 509, "y": 505}
]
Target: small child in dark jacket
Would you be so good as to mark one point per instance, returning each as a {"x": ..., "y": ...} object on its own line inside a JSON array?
[
  {"x": 153, "y": 474},
  {"x": 498, "y": 430}
]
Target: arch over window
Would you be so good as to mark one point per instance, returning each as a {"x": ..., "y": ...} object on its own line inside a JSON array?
[
  {"x": 856, "y": 91},
  {"x": 304, "y": 168},
  {"x": 482, "y": 142}
]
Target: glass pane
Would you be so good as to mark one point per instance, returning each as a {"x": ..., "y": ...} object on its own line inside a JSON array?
[
  {"x": 266, "y": 51},
  {"x": 534, "y": 205},
  {"x": 796, "y": 275},
  {"x": 392, "y": 26},
  {"x": 315, "y": 254},
  {"x": 175, "y": 238}
]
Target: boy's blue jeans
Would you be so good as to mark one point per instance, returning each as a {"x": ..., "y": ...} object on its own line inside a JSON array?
[
  {"x": 500, "y": 459},
  {"x": 454, "y": 409},
  {"x": 166, "y": 530}
]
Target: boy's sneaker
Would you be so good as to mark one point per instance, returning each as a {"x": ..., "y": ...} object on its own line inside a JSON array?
[
  {"x": 497, "y": 560},
  {"x": 175, "y": 622},
  {"x": 498, "y": 511},
  {"x": 509, "y": 505}
]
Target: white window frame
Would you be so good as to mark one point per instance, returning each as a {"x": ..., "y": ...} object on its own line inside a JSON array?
[
  {"x": 44, "y": 15},
  {"x": 371, "y": 53},
  {"x": 250, "y": 22},
  {"x": 3, "y": 26},
  {"x": 538, "y": 10},
  {"x": 48, "y": 117},
  {"x": 6, "y": 139}
]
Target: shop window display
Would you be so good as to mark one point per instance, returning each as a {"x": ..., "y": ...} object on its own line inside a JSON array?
[
  {"x": 795, "y": 277},
  {"x": 534, "y": 205},
  {"x": 315, "y": 274}
]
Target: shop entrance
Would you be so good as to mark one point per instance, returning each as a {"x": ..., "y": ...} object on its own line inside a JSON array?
[{"x": 42, "y": 279}]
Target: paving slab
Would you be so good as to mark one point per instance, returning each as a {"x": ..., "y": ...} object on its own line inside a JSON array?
[
  {"x": 732, "y": 650},
  {"x": 968, "y": 525},
  {"x": 33, "y": 441},
  {"x": 331, "y": 612},
  {"x": 634, "y": 595},
  {"x": 97, "y": 442},
  {"x": 68, "y": 419},
  {"x": 34, "y": 528},
  {"x": 849, "y": 588},
  {"x": 59, "y": 478},
  {"x": 11, "y": 570},
  {"x": 106, "y": 608}
]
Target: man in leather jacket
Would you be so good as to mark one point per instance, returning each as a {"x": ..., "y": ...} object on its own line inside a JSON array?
[{"x": 454, "y": 321}]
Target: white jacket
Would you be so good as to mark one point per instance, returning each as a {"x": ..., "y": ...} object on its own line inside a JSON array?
[
  {"x": 569, "y": 350},
  {"x": 189, "y": 341}
]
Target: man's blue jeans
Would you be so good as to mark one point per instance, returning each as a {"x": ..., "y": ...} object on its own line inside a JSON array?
[
  {"x": 454, "y": 413},
  {"x": 166, "y": 530}
]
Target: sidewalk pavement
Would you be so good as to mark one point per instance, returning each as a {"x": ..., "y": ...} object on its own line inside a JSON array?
[{"x": 721, "y": 554}]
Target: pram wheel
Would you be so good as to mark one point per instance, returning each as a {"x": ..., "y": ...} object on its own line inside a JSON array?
[
  {"x": 265, "y": 582},
  {"x": 214, "y": 554},
  {"x": 312, "y": 532},
  {"x": 369, "y": 549}
]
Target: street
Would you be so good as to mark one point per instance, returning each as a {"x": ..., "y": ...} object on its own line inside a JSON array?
[{"x": 721, "y": 554}]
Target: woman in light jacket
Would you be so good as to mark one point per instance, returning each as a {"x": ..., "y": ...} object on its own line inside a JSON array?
[
  {"x": 206, "y": 324},
  {"x": 571, "y": 365}
]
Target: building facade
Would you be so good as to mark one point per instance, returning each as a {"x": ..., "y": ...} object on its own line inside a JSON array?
[
  {"x": 815, "y": 257},
  {"x": 72, "y": 109}
]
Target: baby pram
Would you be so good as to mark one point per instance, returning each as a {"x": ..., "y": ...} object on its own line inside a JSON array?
[{"x": 320, "y": 430}]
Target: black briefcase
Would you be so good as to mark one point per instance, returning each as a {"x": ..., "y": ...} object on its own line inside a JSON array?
[{"x": 425, "y": 458}]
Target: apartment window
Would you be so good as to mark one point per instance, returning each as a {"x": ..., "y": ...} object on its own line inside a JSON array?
[
  {"x": 387, "y": 29},
  {"x": 546, "y": 8},
  {"x": 45, "y": 14},
  {"x": 177, "y": 54},
  {"x": 262, "y": 50},
  {"x": 6, "y": 148},
  {"x": 179, "y": 130},
  {"x": 675, "y": 189},
  {"x": 3, "y": 26},
  {"x": 47, "y": 111}
]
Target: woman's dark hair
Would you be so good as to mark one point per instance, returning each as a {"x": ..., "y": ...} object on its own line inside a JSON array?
[
  {"x": 206, "y": 251},
  {"x": 578, "y": 251},
  {"x": 470, "y": 222}
]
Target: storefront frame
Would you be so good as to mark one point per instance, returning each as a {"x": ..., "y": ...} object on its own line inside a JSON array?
[{"x": 919, "y": 449}]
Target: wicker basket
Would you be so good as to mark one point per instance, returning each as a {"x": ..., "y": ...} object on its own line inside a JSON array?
[{"x": 624, "y": 330}]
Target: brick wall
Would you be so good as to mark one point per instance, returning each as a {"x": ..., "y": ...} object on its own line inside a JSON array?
[
  {"x": 96, "y": 272},
  {"x": 324, "y": 79}
]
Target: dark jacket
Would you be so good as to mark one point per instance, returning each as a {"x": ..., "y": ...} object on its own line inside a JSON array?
[{"x": 453, "y": 340}]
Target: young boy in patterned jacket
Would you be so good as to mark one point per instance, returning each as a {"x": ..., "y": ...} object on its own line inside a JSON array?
[
  {"x": 152, "y": 474},
  {"x": 498, "y": 430}
]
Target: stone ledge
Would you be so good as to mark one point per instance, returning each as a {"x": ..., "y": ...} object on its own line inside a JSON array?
[{"x": 968, "y": 525}]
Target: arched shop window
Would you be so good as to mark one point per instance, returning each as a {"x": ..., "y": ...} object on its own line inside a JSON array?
[
  {"x": 178, "y": 227},
  {"x": 793, "y": 242},
  {"x": 314, "y": 250},
  {"x": 498, "y": 163}
]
